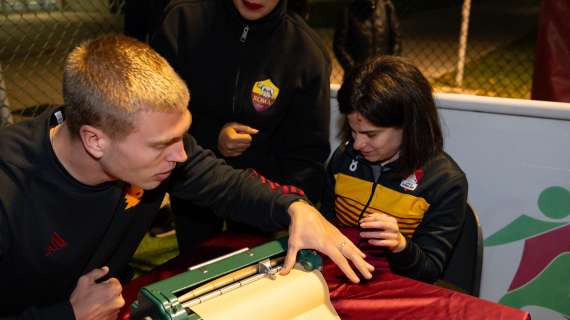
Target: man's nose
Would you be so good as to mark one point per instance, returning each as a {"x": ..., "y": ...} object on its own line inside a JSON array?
[{"x": 178, "y": 153}]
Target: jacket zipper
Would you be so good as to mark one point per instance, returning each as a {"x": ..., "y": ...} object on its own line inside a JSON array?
[
  {"x": 360, "y": 239},
  {"x": 371, "y": 192},
  {"x": 234, "y": 98},
  {"x": 242, "y": 39}
]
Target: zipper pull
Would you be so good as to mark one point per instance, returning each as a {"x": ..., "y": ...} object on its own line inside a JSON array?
[{"x": 243, "y": 37}]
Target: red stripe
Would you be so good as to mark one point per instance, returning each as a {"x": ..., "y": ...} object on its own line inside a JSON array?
[
  {"x": 347, "y": 203},
  {"x": 58, "y": 240},
  {"x": 274, "y": 185}
]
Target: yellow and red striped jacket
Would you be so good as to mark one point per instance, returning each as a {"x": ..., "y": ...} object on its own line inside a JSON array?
[{"x": 429, "y": 205}]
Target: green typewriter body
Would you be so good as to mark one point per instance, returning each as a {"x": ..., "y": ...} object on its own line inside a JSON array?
[{"x": 173, "y": 298}]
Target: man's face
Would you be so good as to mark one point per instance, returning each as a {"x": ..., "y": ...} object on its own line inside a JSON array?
[
  {"x": 376, "y": 144},
  {"x": 147, "y": 155},
  {"x": 255, "y": 9}
]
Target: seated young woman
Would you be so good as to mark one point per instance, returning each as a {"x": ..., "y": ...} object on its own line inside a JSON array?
[{"x": 391, "y": 184}]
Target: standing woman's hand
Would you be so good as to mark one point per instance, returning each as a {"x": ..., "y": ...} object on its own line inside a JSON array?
[
  {"x": 382, "y": 230},
  {"x": 235, "y": 138}
]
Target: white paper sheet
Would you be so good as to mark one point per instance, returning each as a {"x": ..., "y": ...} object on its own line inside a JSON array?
[{"x": 299, "y": 295}]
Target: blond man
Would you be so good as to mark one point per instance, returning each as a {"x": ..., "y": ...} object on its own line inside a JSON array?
[{"x": 80, "y": 185}]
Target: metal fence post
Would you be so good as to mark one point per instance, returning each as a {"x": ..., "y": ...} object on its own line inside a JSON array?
[{"x": 463, "y": 41}]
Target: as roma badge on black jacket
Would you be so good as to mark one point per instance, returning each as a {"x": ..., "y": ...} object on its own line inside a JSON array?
[{"x": 263, "y": 95}]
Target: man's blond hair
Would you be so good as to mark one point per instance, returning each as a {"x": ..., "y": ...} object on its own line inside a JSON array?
[{"x": 109, "y": 79}]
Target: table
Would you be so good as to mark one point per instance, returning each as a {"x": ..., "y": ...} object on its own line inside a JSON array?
[{"x": 387, "y": 296}]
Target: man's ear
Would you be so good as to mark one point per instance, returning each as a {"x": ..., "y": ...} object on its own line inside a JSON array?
[{"x": 94, "y": 140}]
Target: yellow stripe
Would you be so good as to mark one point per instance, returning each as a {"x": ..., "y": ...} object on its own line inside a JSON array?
[
  {"x": 353, "y": 193},
  {"x": 408, "y": 234}
]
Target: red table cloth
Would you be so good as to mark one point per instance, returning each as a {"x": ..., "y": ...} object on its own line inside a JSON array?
[{"x": 386, "y": 296}]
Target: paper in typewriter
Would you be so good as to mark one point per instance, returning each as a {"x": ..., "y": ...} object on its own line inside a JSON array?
[{"x": 299, "y": 295}]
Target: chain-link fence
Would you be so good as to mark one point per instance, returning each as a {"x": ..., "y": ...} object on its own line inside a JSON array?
[
  {"x": 35, "y": 36},
  {"x": 498, "y": 53},
  {"x": 5, "y": 115}
]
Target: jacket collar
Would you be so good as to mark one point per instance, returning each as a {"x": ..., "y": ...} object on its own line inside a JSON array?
[
  {"x": 263, "y": 25},
  {"x": 355, "y": 155}
]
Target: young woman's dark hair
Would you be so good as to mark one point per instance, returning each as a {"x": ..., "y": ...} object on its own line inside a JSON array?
[{"x": 390, "y": 92}]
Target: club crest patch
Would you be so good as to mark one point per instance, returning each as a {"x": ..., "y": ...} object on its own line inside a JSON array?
[
  {"x": 263, "y": 95},
  {"x": 411, "y": 182},
  {"x": 133, "y": 197}
]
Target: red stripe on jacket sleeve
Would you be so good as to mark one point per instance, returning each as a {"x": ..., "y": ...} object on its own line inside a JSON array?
[{"x": 286, "y": 189}]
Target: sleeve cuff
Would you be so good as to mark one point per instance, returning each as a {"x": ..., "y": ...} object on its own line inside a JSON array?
[
  {"x": 283, "y": 220},
  {"x": 62, "y": 311},
  {"x": 403, "y": 259}
]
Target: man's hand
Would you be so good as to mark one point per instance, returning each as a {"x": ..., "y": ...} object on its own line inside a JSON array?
[
  {"x": 310, "y": 230},
  {"x": 234, "y": 139},
  {"x": 383, "y": 230},
  {"x": 91, "y": 300}
]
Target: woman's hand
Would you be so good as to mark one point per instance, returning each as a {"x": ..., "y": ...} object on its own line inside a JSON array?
[
  {"x": 382, "y": 230},
  {"x": 235, "y": 138}
]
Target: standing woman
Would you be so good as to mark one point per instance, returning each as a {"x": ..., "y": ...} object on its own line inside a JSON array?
[
  {"x": 391, "y": 183},
  {"x": 259, "y": 80}
]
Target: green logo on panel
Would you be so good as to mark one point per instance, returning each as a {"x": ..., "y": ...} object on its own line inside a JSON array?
[{"x": 542, "y": 275}]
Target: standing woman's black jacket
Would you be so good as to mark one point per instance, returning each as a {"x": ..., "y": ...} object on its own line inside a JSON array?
[{"x": 271, "y": 74}]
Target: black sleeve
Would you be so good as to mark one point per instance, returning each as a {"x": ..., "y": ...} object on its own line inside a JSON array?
[
  {"x": 63, "y": 311},
  {"x": 340, "y": 41},
  {"x": 395, "y": 38},
  {"x": 302, "y": 141},
  {"x": 328, "y": 203},
  {"x": 428, "y": 251},
  {"x": 239, "y": 195},
  {"x": 182, "y": 26}
]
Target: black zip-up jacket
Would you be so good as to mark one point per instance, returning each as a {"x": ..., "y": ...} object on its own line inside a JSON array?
[
  {"x": 365, "y": 29},
  {"x": 429, "y": 205},
  {"x": 271, "y": 74},
  {"x": 53, "y": 228}
]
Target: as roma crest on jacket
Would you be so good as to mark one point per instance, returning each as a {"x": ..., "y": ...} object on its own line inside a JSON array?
[
  {"x": 412, "y": 181},
  {"x": 263, "y": 95}
]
